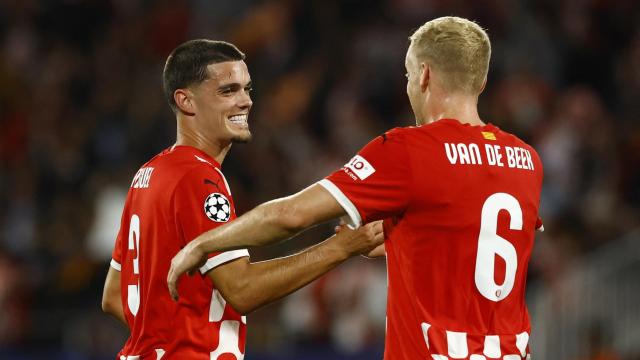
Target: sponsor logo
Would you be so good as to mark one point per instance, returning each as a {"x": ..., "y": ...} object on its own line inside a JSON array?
[
  {"x": 217, "y": 207},
  {"x": 360, "y": 167}
]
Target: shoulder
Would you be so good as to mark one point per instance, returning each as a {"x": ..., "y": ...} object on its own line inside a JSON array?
[
  {"x": 515, "y": 140},
  {"x": 186, "y": 168}
]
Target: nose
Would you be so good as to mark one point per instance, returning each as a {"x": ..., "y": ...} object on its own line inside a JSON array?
[{"x": 245, "y": 101}]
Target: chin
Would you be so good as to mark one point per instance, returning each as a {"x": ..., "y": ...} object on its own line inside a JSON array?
[{"x": 242, "y": 138}]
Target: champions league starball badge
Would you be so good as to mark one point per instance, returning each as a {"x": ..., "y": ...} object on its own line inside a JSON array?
[{"x": 217, "y": 207}]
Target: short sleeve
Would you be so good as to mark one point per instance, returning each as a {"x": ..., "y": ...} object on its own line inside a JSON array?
[
  {"x": 539, "y": 224},
  {"x": 116, "y": 255},
  {"x": 202, "y": 201},
  {"x": 375, "y": 183}
]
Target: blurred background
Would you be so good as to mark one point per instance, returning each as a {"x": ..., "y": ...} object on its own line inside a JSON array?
[{"x": 81, "y": 108}]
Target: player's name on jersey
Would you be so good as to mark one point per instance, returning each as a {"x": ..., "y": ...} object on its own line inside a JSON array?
[
  {"x": 489, "y": 154},
  {"x": 142, "y": 178}
]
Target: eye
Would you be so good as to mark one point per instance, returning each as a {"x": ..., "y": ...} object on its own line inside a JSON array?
[
  {"x": 406, "y": 75},
  {"x": 248, "y": 89}
]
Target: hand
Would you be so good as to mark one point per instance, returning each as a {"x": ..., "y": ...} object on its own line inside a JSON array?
[
  {"x": 189, "y": 259},
  {"x": 361, "y": 241},
  {"x": 378, "y": 251}
]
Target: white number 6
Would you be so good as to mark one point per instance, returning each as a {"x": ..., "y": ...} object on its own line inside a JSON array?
[
  {"x": 491, "y": 245},
  {"x": 133, "y": 291}
]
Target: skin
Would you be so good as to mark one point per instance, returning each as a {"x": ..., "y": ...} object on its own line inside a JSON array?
[
  {"x": 282, "y": 218},
  {"x": 203, "y": 121},
  {"x": 111, "y": 301},
  {"x": 430, "y": 101}
]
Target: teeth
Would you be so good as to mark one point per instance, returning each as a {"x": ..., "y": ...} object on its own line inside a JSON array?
[{"x": 238, "y": 118}]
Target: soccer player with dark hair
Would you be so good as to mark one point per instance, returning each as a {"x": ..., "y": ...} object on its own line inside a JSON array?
[
  {"x": 181, "y": 193},
  {"x": 459, "y": 198}
]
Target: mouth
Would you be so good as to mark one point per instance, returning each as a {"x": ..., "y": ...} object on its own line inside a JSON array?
[{"x": 240, "y": 120}]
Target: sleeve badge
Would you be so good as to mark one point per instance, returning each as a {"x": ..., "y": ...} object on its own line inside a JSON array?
[{"x": 217, "y": 207}]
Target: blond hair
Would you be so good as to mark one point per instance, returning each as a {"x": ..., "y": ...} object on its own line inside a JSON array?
[{"x": 457, "y": 48}]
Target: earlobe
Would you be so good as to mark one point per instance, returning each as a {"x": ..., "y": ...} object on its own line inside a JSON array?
[
  {"x": 425, "y": 77},
  {"x": 484, "y": 83},
  {"x": 183, "y": 101}
]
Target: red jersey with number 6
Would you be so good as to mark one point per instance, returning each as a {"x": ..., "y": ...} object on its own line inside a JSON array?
[
  {"x": 173, "y": 198},
  {"x": 460, "y": 204}
]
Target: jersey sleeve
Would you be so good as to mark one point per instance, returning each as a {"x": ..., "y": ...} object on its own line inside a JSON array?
[
  {"x": 202, "y": 201},
  {"x": 116, "y": 255},
  {"x": 374, "y": 184}
]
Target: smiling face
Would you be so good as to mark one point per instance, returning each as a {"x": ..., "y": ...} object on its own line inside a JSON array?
[{"x": 222, "y": 103}]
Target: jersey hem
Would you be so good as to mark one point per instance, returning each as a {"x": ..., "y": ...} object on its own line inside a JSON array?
[
  {"x": 355, "y": 221},
  {"x": 225, "y": 257}
]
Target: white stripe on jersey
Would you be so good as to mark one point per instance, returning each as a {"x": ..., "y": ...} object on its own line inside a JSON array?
[
  {"x": 343, "y": 200},
  {"x": 116, "y": 265},
  {"x": 458, "y": 345},
  {"x": 228, "y": 343},
  {"x": 225, "y": 180}
]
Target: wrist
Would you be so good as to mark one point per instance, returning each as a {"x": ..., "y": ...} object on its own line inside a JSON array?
[
  {"x": 198, "y": 248},
  {"x": 337, "y": 249}
]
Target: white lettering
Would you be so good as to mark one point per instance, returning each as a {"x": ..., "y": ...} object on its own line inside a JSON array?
[
  {"x": 142, "y": 178},
  {"x": 516, "y": 153},
  {"x": 452, "y": 155},
  {"x": 498, "y": 155},
  {"x": 511, "y": 161},
  {"x": 463, "y": 152},
  {"x": 474, "y": 151},
  {"x": 529, "y": 161}
]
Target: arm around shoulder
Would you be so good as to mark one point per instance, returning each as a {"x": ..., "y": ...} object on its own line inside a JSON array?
[{"x": 247, "y": 286}]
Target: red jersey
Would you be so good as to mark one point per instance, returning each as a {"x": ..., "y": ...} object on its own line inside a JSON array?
[
  {"x": 173, "y": 198},
  {"x": 460, "y": 204}
]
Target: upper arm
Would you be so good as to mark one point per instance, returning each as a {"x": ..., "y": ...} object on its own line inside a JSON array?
[
  {"x": 228, "y": 276},
  {"x": 376, "y": 183},
  {"x": 111, "y": 291},
  {"x": 313, "y": 205}
]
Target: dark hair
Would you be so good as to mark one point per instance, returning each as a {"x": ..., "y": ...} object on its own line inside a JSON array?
[{"x": 187, "y": 64}]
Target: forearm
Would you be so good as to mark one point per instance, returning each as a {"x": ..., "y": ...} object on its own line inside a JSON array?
[
  {"x": 111, "y": 299},
  {"x": 274, "y": 279},
  {"x": 263, "y": 225},
  {"x": 272, "y": 221}
]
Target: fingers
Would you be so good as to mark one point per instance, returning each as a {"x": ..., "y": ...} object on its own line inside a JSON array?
[
  {"x": 171, "y": 283},
  {"x": 377, "y": 252},
  {"x": 377, "y": 226}
]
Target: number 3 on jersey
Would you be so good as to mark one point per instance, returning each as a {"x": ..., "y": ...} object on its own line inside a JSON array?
[
  {"x": 133, "y": 291},
  {"x": 490, "y": 245}
]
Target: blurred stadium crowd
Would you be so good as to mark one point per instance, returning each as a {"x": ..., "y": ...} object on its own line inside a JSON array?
[{"x": 81, "y": 107}]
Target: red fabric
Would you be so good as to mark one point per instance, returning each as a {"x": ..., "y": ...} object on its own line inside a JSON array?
[
  {"x": 171, "y": 212},
  {"x": 433, "y": 206}
]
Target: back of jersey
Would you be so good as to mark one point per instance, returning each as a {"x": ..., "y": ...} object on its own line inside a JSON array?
[
  {"x": 458, "y": 256},
  {"x": 461, "y": 208}
]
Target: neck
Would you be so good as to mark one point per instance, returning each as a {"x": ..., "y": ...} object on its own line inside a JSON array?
[
  {"x": 216, "y": 149},
  {"x": 461, "y": 107}
]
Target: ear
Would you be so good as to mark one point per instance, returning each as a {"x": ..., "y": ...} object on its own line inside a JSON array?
[
  {"x": 184, "y": 101},
  {"x": 484, "y": 83},
  {"x": 425, "y": 76}
]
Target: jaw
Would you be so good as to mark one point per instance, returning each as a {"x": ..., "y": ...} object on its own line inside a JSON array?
[{"x": 239, "y": 133}]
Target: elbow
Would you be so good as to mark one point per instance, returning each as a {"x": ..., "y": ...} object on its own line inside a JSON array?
[
  {"x": 242, "y": 298},
  {"x": 106, "y": 306},
  {"x": 243, "y": 306},
  {"x": 109, "y": 305}
]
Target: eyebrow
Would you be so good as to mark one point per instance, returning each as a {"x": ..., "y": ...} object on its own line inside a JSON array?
[{"x": 234, "y": 85}]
